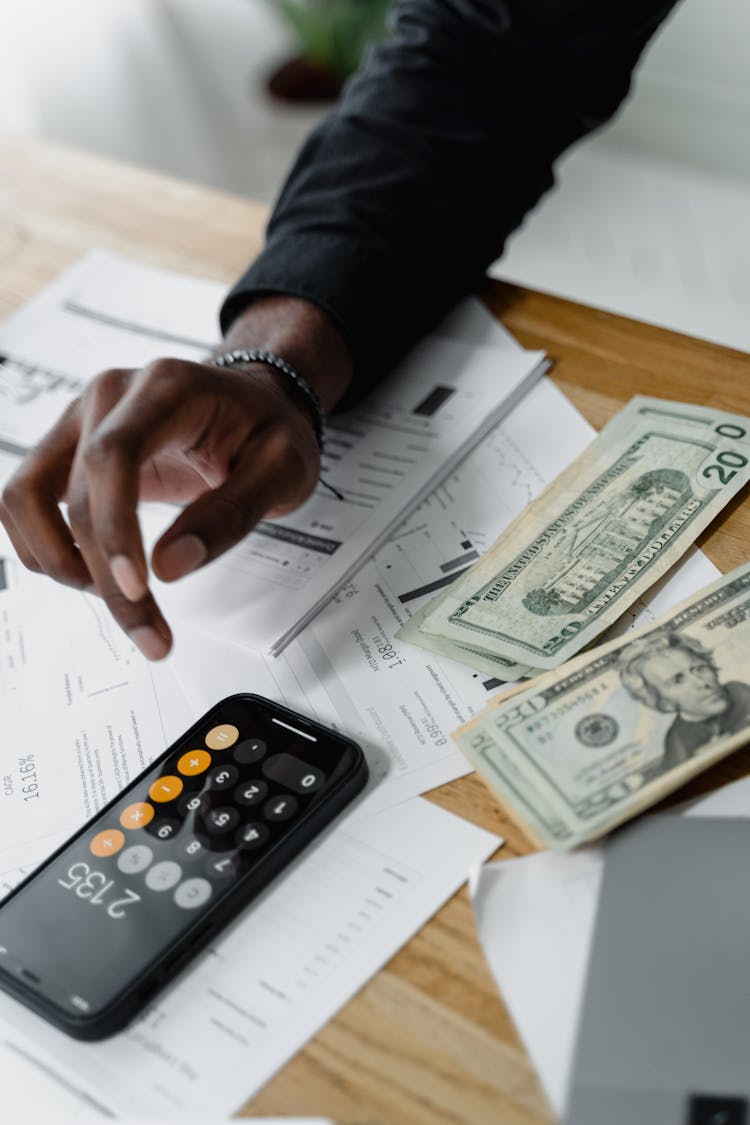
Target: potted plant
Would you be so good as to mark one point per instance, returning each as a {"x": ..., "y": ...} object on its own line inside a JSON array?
[{"x": 332, "y": 35}]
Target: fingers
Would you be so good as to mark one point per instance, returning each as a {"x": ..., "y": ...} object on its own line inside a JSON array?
[
  {"x": 158, "y": 404},
  {"x": 102, "y": 501},
  {"x": 274, "y": 470},
  {"x": 30, "y": 508},
  {"x": 235, "y": 442}
]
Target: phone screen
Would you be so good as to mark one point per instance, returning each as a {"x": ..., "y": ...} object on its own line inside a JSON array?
[{"x": 159, "y": 859}]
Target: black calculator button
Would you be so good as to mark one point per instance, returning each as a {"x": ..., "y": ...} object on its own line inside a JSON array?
[
  {"x": 280, "y": 808},
  {"x": 293, "y": 773},
  {"x": 193, "y": 893},
  {"x": 192, "y": 849},
  {"x": 249, "y": 750},
  {"x": 222, "y": 819},
  {"x": 192, "y": 803},
  {"x": 252, "y": 835},
  {"x": 223, "y": 777},
  {"x": 222, "y": 867},
  {"x": 164, "y": 829},
  {"x": 250, "y": 793}
]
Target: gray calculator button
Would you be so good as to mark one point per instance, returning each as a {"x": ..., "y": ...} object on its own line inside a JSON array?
[
  {"x": 135, "y": 859},
  {"x": 163, "y": 876},
  {"x": 293, "y": 773},
  {"x": 280, "y": 808},
  {"x": 193, "y": 893}
]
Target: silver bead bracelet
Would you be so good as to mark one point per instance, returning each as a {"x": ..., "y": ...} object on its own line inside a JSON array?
[{"x": 259, "y": 355}]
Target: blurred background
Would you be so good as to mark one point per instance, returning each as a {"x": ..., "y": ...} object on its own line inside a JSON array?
[{"x": 650, "y": 218}]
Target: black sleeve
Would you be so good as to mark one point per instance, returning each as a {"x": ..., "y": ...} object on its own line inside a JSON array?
[{"x": 442, "y": 142}]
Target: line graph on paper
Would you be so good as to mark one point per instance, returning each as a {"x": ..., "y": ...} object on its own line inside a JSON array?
[{"x": 461, "y": 518}]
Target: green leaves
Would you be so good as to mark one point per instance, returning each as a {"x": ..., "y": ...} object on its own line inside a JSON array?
[{"x": 334, "y": 33}]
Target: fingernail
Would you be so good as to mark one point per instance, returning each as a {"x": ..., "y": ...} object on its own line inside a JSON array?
[
  {"x": 127, "y": 578},
  {"x": 181, "y": 556},
  {"x": 152, "y": 644}
]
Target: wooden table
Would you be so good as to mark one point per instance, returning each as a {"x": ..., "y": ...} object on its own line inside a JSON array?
[{"x": 428, "y": 1041}]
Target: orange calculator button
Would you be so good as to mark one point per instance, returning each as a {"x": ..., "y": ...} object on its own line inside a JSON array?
[
  {"x": 108, "y": 842},
  {"x": 165, "y": 788},
  {"x": 195, "y": 761},
  {"x": 219, "y": 738},
  {"x": 137, "y": 816}
]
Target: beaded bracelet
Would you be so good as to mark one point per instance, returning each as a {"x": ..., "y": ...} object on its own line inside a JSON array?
[{"x": 270, "y": 359}]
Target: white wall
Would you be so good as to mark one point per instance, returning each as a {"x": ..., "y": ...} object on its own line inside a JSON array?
[
  {"x": 692, "y": 98},
  {"x": 650, "y": 218},
  {"x": 159, "y": 81}
]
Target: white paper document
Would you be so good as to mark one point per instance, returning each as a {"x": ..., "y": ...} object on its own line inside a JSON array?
[
  {"x": 83, "y": 713},
  {"x": 301, "y": 951},
  {"x": 535, "y": 919},
  {"x": 382, "y": 456},
  {"x": 638, "y": 235}
]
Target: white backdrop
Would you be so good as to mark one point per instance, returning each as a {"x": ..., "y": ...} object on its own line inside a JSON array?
[{"x": 650, "y": 218}]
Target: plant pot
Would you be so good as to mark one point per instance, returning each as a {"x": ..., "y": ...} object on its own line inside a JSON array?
[{"x": 301, "y": 81}]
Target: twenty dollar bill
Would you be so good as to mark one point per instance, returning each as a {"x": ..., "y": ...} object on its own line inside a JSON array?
[
  {"x": 589, "y": 745},
  {"x": 603, "y": 532}
]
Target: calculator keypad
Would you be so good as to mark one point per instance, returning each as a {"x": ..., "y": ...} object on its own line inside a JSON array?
[{"x": 215, "y": 808}]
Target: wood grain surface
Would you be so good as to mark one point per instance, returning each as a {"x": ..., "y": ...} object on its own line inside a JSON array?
[{"x": 428, "y": 1041}]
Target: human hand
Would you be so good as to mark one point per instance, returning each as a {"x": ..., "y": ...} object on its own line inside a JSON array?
[{"x": 233, "y": 445}]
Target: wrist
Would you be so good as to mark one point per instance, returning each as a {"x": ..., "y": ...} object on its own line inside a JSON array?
[
  {"x": 303, "y": 335},
  {"x": 251, "y": 358}
]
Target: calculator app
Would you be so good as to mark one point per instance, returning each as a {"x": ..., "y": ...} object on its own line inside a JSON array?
[{"x": 154, "y": 864}]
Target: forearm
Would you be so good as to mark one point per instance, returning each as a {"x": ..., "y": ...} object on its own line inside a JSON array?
[
  {"x": 442, "y": 143},
  {"x": 302, "y": 334}
]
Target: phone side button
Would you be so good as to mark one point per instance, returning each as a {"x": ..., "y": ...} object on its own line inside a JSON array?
[
  {"x": 182, "y": 959},
  {"x": 179, "y": 963}
]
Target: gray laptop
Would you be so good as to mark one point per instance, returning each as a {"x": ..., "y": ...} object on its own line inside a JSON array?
[{"x": 664, "y": 1033}]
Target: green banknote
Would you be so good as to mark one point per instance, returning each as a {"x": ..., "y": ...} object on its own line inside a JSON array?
[
  {"x": 602, "y": 533},
  {"x": 587, "y": 746},
  {"x": 498, "y": 666}
]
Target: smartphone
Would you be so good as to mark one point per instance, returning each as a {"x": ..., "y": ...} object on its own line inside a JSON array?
[{"x": 117, "y": 911}]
